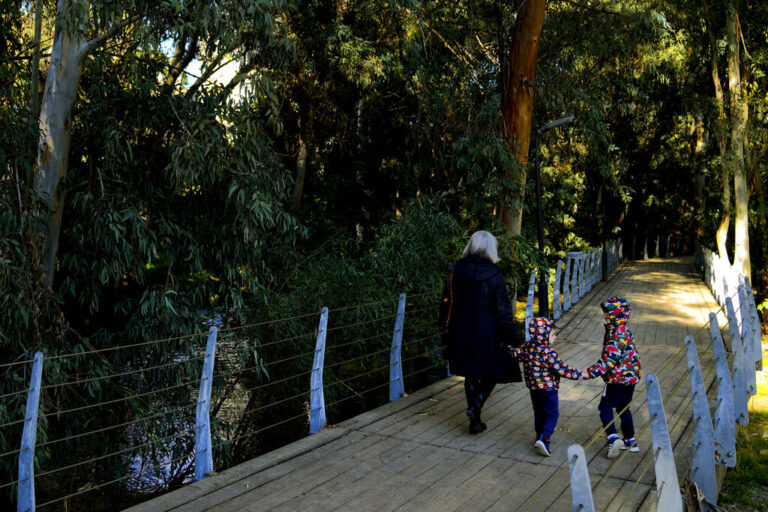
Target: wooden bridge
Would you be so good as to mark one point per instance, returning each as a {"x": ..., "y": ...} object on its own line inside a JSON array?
[{"x": 416, "y": 453}]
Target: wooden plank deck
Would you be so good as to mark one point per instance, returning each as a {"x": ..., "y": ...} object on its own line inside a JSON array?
[{"x": 416, "y": 454}]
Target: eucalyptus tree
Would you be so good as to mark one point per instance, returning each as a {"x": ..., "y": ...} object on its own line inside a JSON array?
[{"x": 151, "y": 201}]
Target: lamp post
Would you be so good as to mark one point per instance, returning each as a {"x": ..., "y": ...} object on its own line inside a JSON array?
[{"x": 543, "y": 299}]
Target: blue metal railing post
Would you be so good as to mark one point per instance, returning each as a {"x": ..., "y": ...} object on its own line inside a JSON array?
[
  {"x": 725, "y": 432},
  {"x": 316, "y": 396},
  {"x": 396, "y": 385},
  {"x": 575, "y": 277},
  {"x": 556, "y": 304},
  {"x": 667, "y": 486},
  {"x": 703, "y": 464},
  {"x": 749, "y": 341},
  {"x": 581, "y": 489},
  {"x": 26, "y": 486},
  {"x": 529, "y": 304},
  {"x": 566, "y": 285},
  {"x": 203, "y": 448},
  {"x": 755, "y": 320},
  {"x": 740, "y": 400}
]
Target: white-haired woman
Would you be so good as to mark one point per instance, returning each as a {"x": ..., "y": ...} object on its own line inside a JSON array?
[{"x": 477, "y": 318}]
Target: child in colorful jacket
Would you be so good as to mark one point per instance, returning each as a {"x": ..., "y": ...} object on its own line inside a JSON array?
[
  {"x": 619, "y": 365},
  {"x": 543, "y": 369}
]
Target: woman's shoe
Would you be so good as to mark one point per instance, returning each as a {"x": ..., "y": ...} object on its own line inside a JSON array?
[{"x": 475, "y": 425}]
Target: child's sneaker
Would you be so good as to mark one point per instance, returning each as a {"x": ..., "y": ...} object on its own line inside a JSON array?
[
  {"x": 631, "y": 445},
  {"x": 615, "y": 445},
  {"x": 542, "y": 445}
]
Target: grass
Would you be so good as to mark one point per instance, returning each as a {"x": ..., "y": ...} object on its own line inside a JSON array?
[{"x": 746, "y": 485}]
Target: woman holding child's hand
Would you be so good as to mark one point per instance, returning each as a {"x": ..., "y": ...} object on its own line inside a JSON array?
[{"x": 477, "y": 322}]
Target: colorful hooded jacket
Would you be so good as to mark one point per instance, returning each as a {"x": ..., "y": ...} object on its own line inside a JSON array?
[
  {"x": 619, "y": 362},
  {"x": 541, "y": 364}
]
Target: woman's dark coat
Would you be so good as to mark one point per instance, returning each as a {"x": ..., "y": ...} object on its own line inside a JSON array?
[{"x": 481, "y": 323}]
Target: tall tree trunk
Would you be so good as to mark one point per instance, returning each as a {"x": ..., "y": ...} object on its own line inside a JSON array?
[
  {"x": 34, "y": 92},
  {"x": 739, "y": 114},
  {"x": 518, "y": 102},
  {"x": 51, "y": 164},
  {"x": 722, "y": 230},
  {"x": 699, "y": 151},
  {"x": 301, "y": 172}
]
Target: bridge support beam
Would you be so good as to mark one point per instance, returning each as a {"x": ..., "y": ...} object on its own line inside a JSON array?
[
  {"x": 667, "y": 485},
  {"x": 396, "y": 384},
  {"x": 203, "y": 448},
  {"x": 26, "y": 487},
  {"x": 316, "y": 396}
]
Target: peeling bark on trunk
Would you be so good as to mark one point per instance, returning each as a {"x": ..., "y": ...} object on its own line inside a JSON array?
[
  {"x": 51, "y": 164},
  {"x": 518, "y": 102},
  {"x": 739, "y": 114}
]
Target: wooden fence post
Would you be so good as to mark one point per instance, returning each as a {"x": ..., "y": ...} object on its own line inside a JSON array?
[
  {"x": 203, "y": 448},
  {"x": 396, "y": 384},
  {"x": 26, "y": 487},
  {"x": 703, "y": 464},
  {"x": 316, "y": 396},
  {"x": 725, "y": 432},
  {"x": 667, "y": 485}
]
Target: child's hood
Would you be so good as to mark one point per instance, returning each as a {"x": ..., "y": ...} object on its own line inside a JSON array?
[
  {"x": 618, "y": 309},
  {"x": 539, "y": 330}
]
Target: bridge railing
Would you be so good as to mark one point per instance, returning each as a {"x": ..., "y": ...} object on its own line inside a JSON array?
[
  {"x": 202, "y": 394},
  {"x": 574, "y": 278},
  {"x": 231, "y": 386},
  {"x": 712, "y": 440}
]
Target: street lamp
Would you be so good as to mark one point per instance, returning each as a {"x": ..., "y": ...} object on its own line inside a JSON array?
[{"x": 543, "y": 299}]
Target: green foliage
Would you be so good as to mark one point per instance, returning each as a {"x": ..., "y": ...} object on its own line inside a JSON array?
[{"x": 746, "y": 484}]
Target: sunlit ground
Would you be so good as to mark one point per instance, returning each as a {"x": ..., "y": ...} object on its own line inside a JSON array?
[{"x": 746, "y": 485}]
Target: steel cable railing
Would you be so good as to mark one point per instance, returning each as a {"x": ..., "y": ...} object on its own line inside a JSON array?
[{"x": 234, "y": 351}]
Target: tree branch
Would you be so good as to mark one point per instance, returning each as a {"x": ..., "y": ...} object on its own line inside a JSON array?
[
  {"x": 597, "y": 9},
  {"x": 114, "y": 29},
  {"x": 741, "y": 36},
  {"x": 460, "y": 57},
  {"x": 181, "y": 59},
  {"x": 205, "y": 75}
]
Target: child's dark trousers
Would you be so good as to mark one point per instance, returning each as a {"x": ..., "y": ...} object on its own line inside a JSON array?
[
  {"x": 545, "y": 411},
  {"x": 617, "y": 397}
]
